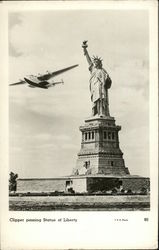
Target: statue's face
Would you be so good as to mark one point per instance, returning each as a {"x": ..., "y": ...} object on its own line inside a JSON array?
[{"x": 97, "y": 63}]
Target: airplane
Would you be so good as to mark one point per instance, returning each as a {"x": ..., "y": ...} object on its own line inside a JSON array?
[{"x": 43, "y": 81}]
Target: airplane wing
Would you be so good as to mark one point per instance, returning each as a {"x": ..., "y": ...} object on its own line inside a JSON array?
[
  {"x": 17, "y": 83},
  {"x": 55, "y": 73}
]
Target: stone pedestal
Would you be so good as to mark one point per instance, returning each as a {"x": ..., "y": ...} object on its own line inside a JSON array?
[{"x": 100, "y": 152}]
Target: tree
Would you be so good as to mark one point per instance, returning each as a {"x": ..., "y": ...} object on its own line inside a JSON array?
[{"x": 13, "y": 182}]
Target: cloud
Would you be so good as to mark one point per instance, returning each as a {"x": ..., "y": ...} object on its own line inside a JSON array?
[
  {"x": 132, "y": 74},
  {"x": 14, "y": 52},
  {"x": 14, "y": 21}
]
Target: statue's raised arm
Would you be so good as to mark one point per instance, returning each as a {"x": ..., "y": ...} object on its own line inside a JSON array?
[{"x": 84, "y": 46}]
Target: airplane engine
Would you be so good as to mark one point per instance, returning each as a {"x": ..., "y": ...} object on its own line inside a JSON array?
[{"x": 31, "y": 86}]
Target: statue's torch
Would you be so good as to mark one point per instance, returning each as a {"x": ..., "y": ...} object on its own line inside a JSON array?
[{"x": 84, "y": 46}]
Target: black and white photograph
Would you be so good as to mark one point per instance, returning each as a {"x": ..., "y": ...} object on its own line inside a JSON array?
[{"x": 79, "y": 111}]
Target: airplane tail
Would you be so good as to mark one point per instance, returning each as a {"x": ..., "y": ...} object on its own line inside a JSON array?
[
  {"x": 59, "y": 82},
  {"x": 53, "y": 83}
]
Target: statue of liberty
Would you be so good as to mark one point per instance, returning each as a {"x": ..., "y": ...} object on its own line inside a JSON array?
[{"x": 100, "y": 82}]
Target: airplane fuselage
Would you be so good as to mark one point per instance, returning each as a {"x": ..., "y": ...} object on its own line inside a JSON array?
[{"x": 33, "y": 81}]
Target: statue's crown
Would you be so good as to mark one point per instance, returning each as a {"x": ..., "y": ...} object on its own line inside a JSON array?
[{"x": 97, "y": 58}]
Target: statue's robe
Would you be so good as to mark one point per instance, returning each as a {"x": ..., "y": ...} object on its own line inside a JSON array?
[{"x": 99, "y": 84}]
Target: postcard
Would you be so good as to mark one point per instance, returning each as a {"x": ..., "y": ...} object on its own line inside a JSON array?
[{"x": 79, "y": 124}]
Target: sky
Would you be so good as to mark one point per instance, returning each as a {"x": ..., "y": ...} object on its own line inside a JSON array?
[{"x": 44, "y": 124}]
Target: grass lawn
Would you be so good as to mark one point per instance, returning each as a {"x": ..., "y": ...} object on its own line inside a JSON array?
[{"x": 80, "y": 203}]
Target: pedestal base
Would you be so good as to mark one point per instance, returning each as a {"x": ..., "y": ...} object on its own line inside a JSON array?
[
  {"x": 104, "y": 183},
  {"x": 100, "y": 152}
]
